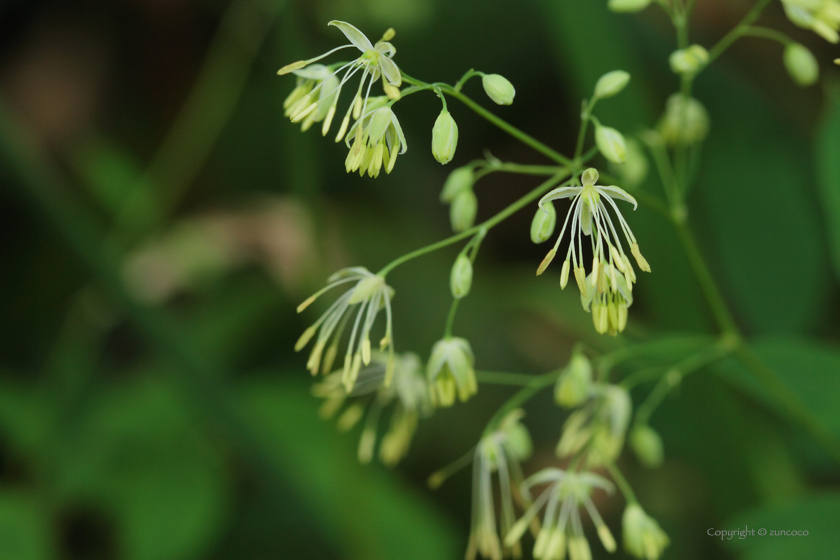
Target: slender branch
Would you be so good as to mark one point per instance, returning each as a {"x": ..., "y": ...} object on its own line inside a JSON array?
[
  {"x": 622, "y": 483},
  {"x": 765, "y": 33},
  {"x": 504, "y": 378},
  {"x": 521, "y": 397},
  {"x": 739, "y": 31}
]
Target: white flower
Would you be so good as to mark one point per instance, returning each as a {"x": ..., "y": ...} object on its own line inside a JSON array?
[
  {"x": 377, "y": 140},
  {"x": 643, "y": 537},
  {"x": 500, "y": 452},
  {"x": 368, "y": 296},
  {"x": 607, "y": 289},
  {"x": 375, "y": 61},
  {"x": 408, "y": 392},
  {"x": 820, "y": 16},
  {"x": 562, "y": 526}
]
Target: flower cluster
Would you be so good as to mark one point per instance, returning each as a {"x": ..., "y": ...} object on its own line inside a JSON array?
[
  {"x": 606, "y": 291},
  {"x": 820, "y": 16},
  {"x": 368, "y": 296},
  {"x": 315, "y": 99},
  {"x": 598, "y": 428},
  {"x": 562, "y": 526},
  {"x": 408, "y": 393},
  {"x": 501, "y": 451}
]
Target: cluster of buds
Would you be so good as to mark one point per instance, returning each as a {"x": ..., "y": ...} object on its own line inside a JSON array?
[
  {"x": 499, "y": 452},
  {"x": 368, "y": 296},
  {"x": 408, "y": 393},
  {"x": 606, "y": 291}
]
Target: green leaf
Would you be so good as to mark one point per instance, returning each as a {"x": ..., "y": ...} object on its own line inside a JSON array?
[
  {"x": 367, "y": 511},
  {"x": 818, "y": 515},
  {"x": 756, "y": 211},
  {"x": 828, "y": 171},
  {"x": 24, "y": 528}
]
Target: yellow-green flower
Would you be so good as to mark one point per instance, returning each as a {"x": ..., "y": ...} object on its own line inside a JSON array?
[
  {"x": 375, "y": 61},
  {"x": 643, "y": 538},
  {"x": 368, "y": 296},
  {"x": 820, "y": 16},
  {"x": 377, "y": 140},
  {"x": 450, "y": 371}
]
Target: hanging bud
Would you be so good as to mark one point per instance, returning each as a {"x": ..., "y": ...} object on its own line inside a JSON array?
[
  {"x": 573, "y": 385},
  {"x": 685, "y": 121},
  {"x": 611, "y": 83},
  {"x": 611, "y": 144},
  {"x": 542, "y": 226},
  {"x": 461, "y": 179},
  {"x": 463, "y": 210},
  {"x": 460, "y": 279},
  {"x": 498, "y": 88},
  {"x": 647, "y": 445},
  {"x": 628, "y": 5},
  {"x": 634, "y": 170},
  {"x": 801, "y": 65},
  {"x": 444, "y": 137},
  {"x": 689, "y": 61}
]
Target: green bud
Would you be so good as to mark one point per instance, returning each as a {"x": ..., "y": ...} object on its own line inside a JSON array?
[
  {"x": 634, "y": 170},
  {"x": 463, "y": 210},
  {"x": 685, "y": 121},
  {"x": 611, "y": 144},
  {"x": 460, "y": 179},
  {"x": 611, "y": 83},
  {"x": 517, "y": 440},
  {"x": 444, "y": 137},
  {"x": 460, "y": 279},
  {"x": 573, "y": 385},
  {"x": 450, "y": 371},
  {"x": 689, "y": 61},
  {"x": 498, "y": 88},
  {"x": 542, "y": 226},
  {"x": 801, "y": 65},
  {"x": 643, "y": 538},
  {"x": 647, "y": 445},
  {"x": 628, "y": 5}
]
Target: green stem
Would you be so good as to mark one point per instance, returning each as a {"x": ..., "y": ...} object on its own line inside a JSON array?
[
  {"x": 450, "y": 319},
  {"x": 439, "y": 476},
  {"x": 585, "y": 116},
  {"x": 622, "y": 483},
  {"x": 521, "y": 397},
  {"x": 764, "y": 33},
  {"x": 739, "y": 31},
  {"x": 501, "y": 216},
  {"x": 469, "y": 74}
]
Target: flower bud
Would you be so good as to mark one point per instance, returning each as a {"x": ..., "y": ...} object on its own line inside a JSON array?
[
  {"x": 498, "y": 88},
  {"x": 801, "y": 65},
  {"x": 463, "y": 210},
  {"x": 516, "y": 437},
  {"x": 647, "y": 445},
  {"x": 689, "y": 60},
  {"x": 573, "y": 385},
  {"x": 450, "y": 371},
  {"x": 542, "y": 226},
  {"x": 611, "y": 144},
  {"x": 643, "y": 538},
  {"x": 628, "y": 5},
  {"x": 634, "y": 170},
  {"x": 444, "y": 137},
  {"x": 460, "y": 179},
  {"x": 611, "y": 83},
  {"x": 685, "y": 121},
  {"x": 460, "y": 279}
]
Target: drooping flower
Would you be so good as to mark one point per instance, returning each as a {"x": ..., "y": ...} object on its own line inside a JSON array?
[
  {"x": 643, "y": 538},
  {"x": 562, "y": 527},
  {"x": 501, "y": 452},
  {"x": 599, "y": 427},
  {"x": 409, "y": 394},
  {"x": 321, "y": 85},
  {"x": 375, "y": 61},
  {"x": 820, "y": 16},
  {"x": 377, "y": 140},
  {"x": 368, "y": 296},
  {"x": 607, "y": 289},
  {"x": 450, "y": 371}
]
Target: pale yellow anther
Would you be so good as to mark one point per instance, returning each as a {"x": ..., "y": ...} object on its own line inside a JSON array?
[
  {"x": 564, "y": 274},
  {"x": 546, "y": 261},
  {"x": 343, "y": 128},
  {"x": 643, "y": 264},
  {"x": 306, "y": 336},
  {"x": 291, "y": 67}
]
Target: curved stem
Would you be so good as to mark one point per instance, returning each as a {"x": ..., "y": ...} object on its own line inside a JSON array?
[
  {"x": 531, "y": 196},
  {"x": 739, "y": 31},
  {"x": 622, "y": 483},
  {"x": 521, "y": 397}
]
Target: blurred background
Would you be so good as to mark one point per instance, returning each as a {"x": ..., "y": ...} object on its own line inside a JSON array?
[{"x": 160, "y": 220}]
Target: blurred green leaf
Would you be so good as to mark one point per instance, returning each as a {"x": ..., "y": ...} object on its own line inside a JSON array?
[
  {"x": 760, "y": 215},
  {"x": 138, "y": 454},
  {"x": 366, "y": 509},
  {"x": 828, "y": 170},
  {"x": 818, "y": 515},
  {"x": 24, "y": 528}
]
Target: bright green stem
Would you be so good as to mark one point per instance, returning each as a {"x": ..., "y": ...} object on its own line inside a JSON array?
[
  {"x": 622, "y": 483},
  {"x": 501, "y": 216},
  {"x": 521, "y": 397},
  {"x": 739, "y": 31},
  {"x": 504, "y": 378}
]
